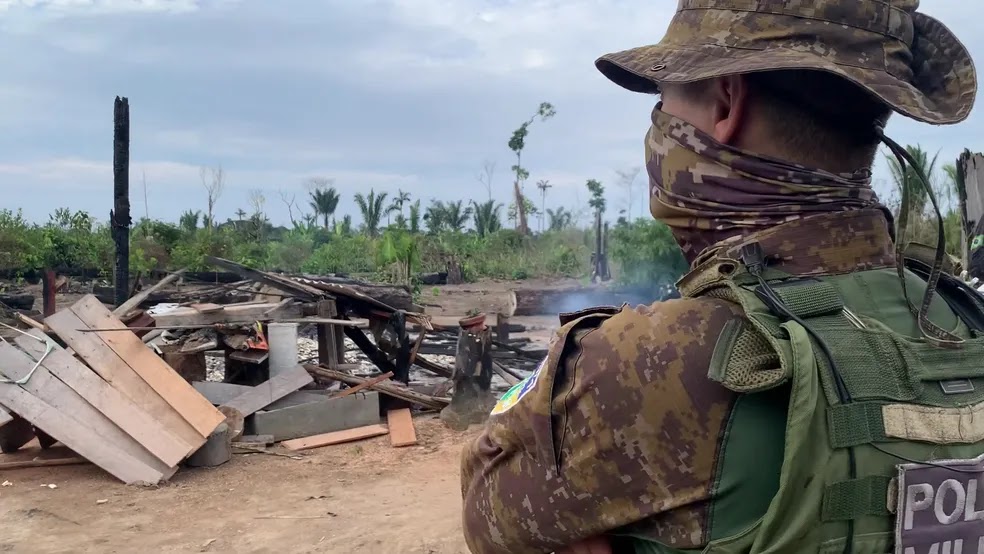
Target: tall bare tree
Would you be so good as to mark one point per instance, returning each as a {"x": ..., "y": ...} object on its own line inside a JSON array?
[
  {"x": 290, "y": 200},
  {"x": 626, "y": 180},
  {"x": 213, "y": 179},
  {"x": 543, "y": 185},
  {"x": 257, "y": 200},
  {"x": 485, "y": 177}
]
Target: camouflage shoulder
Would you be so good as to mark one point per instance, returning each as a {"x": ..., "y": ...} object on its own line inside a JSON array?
[{"x": 612, "y": 339}]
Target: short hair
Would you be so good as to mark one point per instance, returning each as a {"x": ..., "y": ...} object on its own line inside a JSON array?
[{"x": 818, "y": 119}]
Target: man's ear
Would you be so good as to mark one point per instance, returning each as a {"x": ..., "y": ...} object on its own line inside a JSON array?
[{"x": 729, "y": 107}]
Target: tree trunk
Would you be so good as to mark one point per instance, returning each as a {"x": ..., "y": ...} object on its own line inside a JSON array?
[{"x": 520, "y": 210}]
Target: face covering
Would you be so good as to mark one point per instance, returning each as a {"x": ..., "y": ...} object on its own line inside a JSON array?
[{"x": 708, "y": 192}]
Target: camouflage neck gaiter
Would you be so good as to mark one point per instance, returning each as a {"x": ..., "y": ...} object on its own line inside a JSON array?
[{"x": 707, "y": 192}]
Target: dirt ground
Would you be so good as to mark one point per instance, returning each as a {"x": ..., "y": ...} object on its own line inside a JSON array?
[{"x": 358, "y": 497}]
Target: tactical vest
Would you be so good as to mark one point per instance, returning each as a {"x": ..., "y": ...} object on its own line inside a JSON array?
[{"x": 898, "y": 399}]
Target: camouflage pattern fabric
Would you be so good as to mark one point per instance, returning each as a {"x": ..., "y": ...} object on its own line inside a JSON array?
[
  {"x": 909, "y": 60},
  {"x": 707, "y": 192},
  {"x": 622, "y": 427}
]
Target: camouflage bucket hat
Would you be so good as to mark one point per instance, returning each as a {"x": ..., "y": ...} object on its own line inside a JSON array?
[{"x": 909, "y": 60}]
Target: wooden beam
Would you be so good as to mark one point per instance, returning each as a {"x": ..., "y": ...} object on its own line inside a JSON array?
[
  {"x": 384, "y": 387},
  {"x": 374, "y": 381},
  {"x": 231, "y": 313},
  {"x": 138, "y": 298}
]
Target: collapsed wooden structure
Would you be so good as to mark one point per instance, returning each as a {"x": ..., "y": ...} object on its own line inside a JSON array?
[{"x": 103, "y": 384}]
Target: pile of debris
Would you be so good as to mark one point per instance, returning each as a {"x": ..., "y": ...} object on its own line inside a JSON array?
[{"x": 303, "y": 361}]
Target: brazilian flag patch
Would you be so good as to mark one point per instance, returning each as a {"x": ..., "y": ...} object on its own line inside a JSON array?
[{"x": 517, "y": 391}]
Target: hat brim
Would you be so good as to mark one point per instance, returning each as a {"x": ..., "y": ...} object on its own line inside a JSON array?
[{"x": 942, "y": 90}]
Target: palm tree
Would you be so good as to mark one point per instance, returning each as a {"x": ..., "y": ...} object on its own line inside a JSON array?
[
  {"x": 456, "y": 215},
  {"x": 189, "y": 220},
  {"x": 907, "y": 181},
  {"x": 324, "y": 202},
  {"x": 345, "y": 227},
  {"x": 402, "y": 197},
  {"x": 559, "y": 219},
  {"x": 435, "y": 217},
  {"x": 372, "y": 210},
  {"x": 486, "y": 217}
]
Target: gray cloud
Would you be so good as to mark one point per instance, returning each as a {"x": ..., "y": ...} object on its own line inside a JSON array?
[{"x": 410, "y": 94}]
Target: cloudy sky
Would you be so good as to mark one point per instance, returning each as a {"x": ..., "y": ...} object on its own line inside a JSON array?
[{"x": 386, "y": 94}]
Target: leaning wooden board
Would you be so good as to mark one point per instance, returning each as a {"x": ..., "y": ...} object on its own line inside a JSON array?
[
  {"x": 57, "y": 410},
  {"x": 128, "y": 348},
  {"x": 98, "y": 356},
  {"x": 270, "y": 391},
  {"x": 135, "y": 422}
]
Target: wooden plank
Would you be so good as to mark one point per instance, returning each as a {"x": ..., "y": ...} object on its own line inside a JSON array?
[
  {"x": 270, "y": 391},
  {"x": 207, "y": 307},
  {"x": 193, "y": 407},
  {"x": 74, "y": 460},
  {"x": 401, "y": 428},
  {"x": 58, "y": 411},
  {"x": 136, "y": 299},
  {"x": 47, "y": 387},
  {"x": 368, "y": 383},
  {"x": 108, "y": 365},
  {"x": 231, "y": 313},
  {"x": 336, "y": 437},
  {"x": 133, "y": 421}
]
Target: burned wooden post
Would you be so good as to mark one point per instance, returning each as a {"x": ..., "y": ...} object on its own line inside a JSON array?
[
  {"x": 48, "y": 289},
  {"x": 120, "y": 216},
  {"x": 502, "y": 328},
  {"x": 599, "y": 259},
  {"x": 331, "y": 338},
  {"x": 472, "y": 400}
]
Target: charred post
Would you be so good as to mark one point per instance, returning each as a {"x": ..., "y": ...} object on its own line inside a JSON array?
[
  {"x": 48, "y": 289},
  {"x": 502, "y": 328},
  {"x": 328, "y": 348},
  {"x": 120, "y": 216},
  {"x": 472, "y": 399}
]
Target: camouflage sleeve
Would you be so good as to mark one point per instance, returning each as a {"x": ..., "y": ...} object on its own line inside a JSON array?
[{"x": 618, "y": 425}]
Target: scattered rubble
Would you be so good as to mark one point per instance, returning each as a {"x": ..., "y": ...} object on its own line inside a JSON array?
[{"x": 183, "y": 377}]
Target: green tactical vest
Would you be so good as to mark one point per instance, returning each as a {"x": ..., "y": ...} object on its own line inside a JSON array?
[{"x": 908, "y": 401}]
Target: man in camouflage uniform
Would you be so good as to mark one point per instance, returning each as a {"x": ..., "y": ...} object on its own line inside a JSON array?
[{"x": 771, "y": 115}]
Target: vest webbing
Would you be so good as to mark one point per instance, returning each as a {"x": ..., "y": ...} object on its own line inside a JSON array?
[{"x": 911, "y": 398}]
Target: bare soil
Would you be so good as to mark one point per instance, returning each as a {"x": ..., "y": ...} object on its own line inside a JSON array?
[{"x": 358, "y": 497}]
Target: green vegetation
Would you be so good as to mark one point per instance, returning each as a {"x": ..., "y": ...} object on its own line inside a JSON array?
[
  {"x": 396, "y": 238},
  {"x": 407, "y": 246}
]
